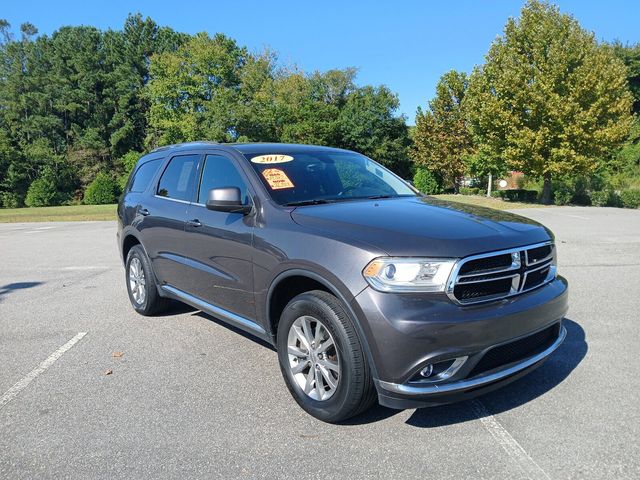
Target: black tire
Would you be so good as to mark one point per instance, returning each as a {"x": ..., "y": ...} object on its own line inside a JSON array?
[
  {"x": 152, "y": 303},
  {"x": 355, "y": 391}
]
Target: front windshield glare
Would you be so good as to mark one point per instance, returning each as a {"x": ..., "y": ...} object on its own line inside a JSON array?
[{"x": 325, "y": 176}]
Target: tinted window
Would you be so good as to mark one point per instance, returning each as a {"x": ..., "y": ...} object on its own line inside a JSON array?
[
  {"x": 220, "y": 172},
  {"x": 144, "y": 175},
  {"x": 317, "y": 175},
  {"x": 177, "y": 180}
]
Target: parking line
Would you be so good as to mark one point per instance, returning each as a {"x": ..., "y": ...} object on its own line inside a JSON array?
[
  {"x": 510, "y": 445},
  {"x": 22, "y": 384}
]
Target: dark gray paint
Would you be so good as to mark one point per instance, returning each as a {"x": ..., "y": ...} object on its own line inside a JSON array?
[{"x": 235, "y": 262}]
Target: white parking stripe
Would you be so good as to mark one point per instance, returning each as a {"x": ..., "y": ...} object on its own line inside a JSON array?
[
  {"x": 22, "y": 384},
  {"x": 510, "y": 445},
  {"x": 85, "y": 267}
]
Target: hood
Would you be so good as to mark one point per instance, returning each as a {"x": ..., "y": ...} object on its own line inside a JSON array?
[{"x": 422, "y": 226}]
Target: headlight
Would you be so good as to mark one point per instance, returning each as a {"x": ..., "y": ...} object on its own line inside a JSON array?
[{"x": 405, "y": 274}]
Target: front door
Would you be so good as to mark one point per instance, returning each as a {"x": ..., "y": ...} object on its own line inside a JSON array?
[{"x": 220, "y": 244}]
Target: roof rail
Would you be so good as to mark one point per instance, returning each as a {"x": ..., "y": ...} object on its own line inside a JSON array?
[{"x": 186, "y": 144}]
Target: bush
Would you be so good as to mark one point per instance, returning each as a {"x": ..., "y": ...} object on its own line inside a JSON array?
[
  {"x": 102, "y": 190},
  {"x": 52, "y": 187},
  {"x": 426, "y": 182},
  {"x": 517, "y": 195},
  {"x": 605, "y": 198},
  {"x": 469, "y": 190},
  {"x": 562, "y": 196},
  {"x": 11, "y": 200},
  {"x": 630, "y": 198}
]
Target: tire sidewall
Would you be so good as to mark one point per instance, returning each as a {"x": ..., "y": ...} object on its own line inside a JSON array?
[
  {"x": 137, "y": 252},
  {"x": 312, "y": 306}
]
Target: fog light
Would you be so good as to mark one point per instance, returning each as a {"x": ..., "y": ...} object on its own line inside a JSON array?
[
  {"x": 438, "y": 371},
  {"x": 427, "y": 371}
]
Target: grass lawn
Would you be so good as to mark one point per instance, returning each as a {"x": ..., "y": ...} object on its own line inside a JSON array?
[
  {"x": 490, "y": 202},
  {"x": 73, "y": 213}
]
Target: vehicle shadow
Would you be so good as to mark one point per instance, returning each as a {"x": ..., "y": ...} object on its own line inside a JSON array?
[
  {"x": 553, "y": 372},
  {"x": 11, "y": 287},
  {"x": 176, "y": 308},
  {"x": 236, "y": 330}
]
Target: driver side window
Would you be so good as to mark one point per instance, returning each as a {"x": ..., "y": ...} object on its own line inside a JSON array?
[{"x": 220, "y": 172}]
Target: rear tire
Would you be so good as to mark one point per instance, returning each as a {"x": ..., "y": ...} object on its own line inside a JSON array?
[
  {"x": 331, "y": 383},
  {"x": 141, "y": 284}
]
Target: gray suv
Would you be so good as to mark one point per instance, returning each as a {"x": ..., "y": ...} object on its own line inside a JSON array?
[{"x": 367, "y": 289}]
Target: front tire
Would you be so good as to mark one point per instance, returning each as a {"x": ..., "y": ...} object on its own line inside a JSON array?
[
  {"x": 321, "y": 358},
  {"x": 141, "y": 284}
]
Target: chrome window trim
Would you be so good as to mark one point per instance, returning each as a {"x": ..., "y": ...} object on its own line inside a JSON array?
[
  {"x": 517, "y": 286},
  {"x": 479, "y": 381},
  {"x": 173, "y": 199}
]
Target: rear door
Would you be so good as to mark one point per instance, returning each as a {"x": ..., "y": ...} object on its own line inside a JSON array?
[
  {"x": 163, "y": 232},
  {"x": 219, "y": 255}
]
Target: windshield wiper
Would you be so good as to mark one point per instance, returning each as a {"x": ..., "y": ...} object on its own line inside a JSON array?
[
  {"x": 315, "y": 201},
  {"x": 376, "y": 197}
]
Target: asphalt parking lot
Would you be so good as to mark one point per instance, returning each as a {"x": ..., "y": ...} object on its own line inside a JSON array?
[{"x": 189, "y": 397}]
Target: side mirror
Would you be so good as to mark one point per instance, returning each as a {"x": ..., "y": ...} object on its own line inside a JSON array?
[{"x": 226, "y": 199}]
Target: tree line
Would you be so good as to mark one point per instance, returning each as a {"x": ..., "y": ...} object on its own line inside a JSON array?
[
  {"x": 550, "y": 101},
  {"x": 78, "y": 107}
]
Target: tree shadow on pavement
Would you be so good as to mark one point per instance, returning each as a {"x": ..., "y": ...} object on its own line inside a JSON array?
[
  {"x": 550, "y": 374},
  {"x": 11, "y": 287}
]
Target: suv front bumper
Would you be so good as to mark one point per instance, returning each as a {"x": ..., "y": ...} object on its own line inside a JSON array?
[{"x": 405, "y": 332}]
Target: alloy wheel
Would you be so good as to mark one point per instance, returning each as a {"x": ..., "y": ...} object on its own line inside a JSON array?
[
  {"x": 137, "y": 281},
  {"x": 313, "y": 358}
]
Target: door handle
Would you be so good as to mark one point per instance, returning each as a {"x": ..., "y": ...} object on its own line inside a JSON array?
[
  {"x": 144, "y": 212},
  {"x": 194, "y": 223}
]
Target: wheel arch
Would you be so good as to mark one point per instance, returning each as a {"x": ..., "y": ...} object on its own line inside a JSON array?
[
  {"x": 128, "y": 242},
  {"x": 274, "y": 304}
]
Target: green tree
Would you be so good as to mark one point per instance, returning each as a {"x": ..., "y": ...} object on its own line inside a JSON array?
[
  {"x": 549, "y": 101},
  {"x": 441, "y": 138},
  {"x": 193, "y": 91},
  {"x": 630, "y": 55},
  {"x": 368, "y": 123},
  {"x": 127, "y": 56}
]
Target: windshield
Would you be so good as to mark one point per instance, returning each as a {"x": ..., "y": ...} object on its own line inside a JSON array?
[{"x": 324, "y": 176}]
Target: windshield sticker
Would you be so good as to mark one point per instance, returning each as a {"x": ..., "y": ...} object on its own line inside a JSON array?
[
  {"x": 273, "y": 158},
  {"x": 277, "y": 179}
]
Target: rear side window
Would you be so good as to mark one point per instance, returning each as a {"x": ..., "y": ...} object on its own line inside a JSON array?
[
  {"x": 144, "y": 175},
  {"x": 177, "y": 180},
  {"x": 220, "y": 172}
]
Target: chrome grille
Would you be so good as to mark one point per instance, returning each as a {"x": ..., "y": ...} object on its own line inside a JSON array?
[{"x": 497, "y": 275}]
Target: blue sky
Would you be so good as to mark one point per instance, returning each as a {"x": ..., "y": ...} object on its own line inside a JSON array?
[{"x": 406, "y": 45}]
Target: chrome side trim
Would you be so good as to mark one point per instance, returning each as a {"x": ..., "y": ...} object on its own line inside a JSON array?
[
  {"x": 476, "y": 381},
  {"x": 239, "y": 321}
]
